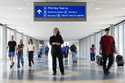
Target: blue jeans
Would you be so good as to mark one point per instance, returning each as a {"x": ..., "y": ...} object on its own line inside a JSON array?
[
  {"x": 20, "y": 59},
  {"x": 74, "y": 57},
  {"x": 92, "y": 56}
]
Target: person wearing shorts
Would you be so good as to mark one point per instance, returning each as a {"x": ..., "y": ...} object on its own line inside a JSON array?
[{"x": 12, "y": 47}]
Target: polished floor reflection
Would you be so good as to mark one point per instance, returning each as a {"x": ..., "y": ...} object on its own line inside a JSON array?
[{"x": 41, "y": 71}]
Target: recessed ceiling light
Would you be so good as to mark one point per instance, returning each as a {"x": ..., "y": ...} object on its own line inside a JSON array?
[
  {"x": 98, "y": 8},
  {"x": 123, "y": 8},
  {"x": 20, "y": 8}
]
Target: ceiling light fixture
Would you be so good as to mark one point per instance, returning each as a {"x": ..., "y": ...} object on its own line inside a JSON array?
[
  {"x": 123, "y": 8},
  {"x": 20, "y": 8},
  {"x": 98, "y": 8}
]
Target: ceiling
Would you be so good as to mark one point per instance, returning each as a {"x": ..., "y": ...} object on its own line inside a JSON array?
[{"x": 18, "y": 14}]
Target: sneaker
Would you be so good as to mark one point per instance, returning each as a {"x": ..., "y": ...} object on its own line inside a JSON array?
[{"x": 11, "y": 66}]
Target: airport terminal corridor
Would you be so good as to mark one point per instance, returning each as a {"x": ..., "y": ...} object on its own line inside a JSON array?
[{"x": 62, "y": 41}]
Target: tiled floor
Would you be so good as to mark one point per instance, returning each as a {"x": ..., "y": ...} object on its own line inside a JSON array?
[{"x": 41, "y": 72}]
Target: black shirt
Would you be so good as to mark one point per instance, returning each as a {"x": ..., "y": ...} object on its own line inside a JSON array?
[
  {"x": 12, "y": 45},
  {"x": 57, "y": 39}
]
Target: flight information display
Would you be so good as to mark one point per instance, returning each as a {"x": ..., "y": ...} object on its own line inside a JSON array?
[{"x": 60, "y": 11}]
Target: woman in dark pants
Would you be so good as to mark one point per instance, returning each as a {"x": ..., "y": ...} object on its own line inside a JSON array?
[
  {"x": 55, "y": 41},
  {"x": 31, "y": 49}
]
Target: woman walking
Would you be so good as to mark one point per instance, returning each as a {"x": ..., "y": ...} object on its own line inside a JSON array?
[{"x": 56, "y": 41}]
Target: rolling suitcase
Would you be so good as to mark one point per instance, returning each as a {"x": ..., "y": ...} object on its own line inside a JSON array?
[
  {"x": 119, "y": 60},
  {"x": 99, "y": 60}
]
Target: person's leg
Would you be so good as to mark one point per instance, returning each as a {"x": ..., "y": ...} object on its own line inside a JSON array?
[
  {"x": 66, "y": 59},
  {"x": 91, "y": 56},
  {"x": 111, "y": 61},
  {"x": 104, "y": 63},
  {"x": 32, "y": 59},
  {"x": 60, "y": 59},
  {"x": 22, "y": 60},
  {"x": 18, "y": 60},
  {"x": 73, "y": 57},
  {"x": 29, "y": 58},
  {"x": 10, "y": 57},
  {"x": 54, "y": 63},
  {"x": 13, "y": 55}
]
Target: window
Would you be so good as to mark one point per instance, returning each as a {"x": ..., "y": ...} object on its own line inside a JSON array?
[
  {"x": 1, "y": 35},
  {"x": 18, "y": 37},
  {"x": 116, "y": 38},
  {"x": 9, "y": 34},
  {"x": 124, "y": 39},
  {"x": 97, "y": 41},
  {"x": 121, "y": 39}
]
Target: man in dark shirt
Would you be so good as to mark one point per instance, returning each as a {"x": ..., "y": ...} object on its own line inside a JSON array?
[
  {"x": 55, "y": 41},
  {"x": 107, "y": 49},
  {"x": 12, "y": 47}
]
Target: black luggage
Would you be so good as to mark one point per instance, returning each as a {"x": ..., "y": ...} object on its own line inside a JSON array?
[
  {"x": 119, "y": 60},
  {"x": 99, "y": 60}
]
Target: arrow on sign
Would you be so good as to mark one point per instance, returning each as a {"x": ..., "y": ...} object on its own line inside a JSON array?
[{"x": 39, "y": 11}]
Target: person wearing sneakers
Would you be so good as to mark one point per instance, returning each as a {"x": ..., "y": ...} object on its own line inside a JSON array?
[
  {"x": 12, "y": 46},
  {"x": 20, "y": 54}
]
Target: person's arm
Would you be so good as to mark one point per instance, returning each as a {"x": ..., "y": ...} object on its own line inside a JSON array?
[
  {"x": 100, "y": 48},
  {"x": 15, "y": 45},
  {"x": 50, "y": 41},
  {"x": 53, "y": 43},
  {"x": 7, "y": 46},
  {"x": 60, "y": 42},
  {"x": 61, "y": 39}
]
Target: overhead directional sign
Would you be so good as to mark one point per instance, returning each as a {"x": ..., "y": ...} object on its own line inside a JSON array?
[{"x": 59, "y": 11}]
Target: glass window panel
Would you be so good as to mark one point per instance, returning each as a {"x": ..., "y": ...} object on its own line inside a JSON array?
[
  {"x": 124, "y": 39},
  {"x": 121, "y": 39},
  {"x": 9, "y": 34},
  {"x": 1, "y": 37},
  {"x": 116, "y": 37},
  {"x": 18, "y": 37}
]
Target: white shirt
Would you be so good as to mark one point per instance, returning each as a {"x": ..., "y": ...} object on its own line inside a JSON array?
[{"x": 30, "y": 47}]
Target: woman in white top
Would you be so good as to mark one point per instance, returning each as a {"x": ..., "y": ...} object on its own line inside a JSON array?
[{"x": 30, "y": 49}]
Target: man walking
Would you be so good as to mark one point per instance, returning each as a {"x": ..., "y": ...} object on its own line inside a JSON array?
[{"x": 107, "y": 49}]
